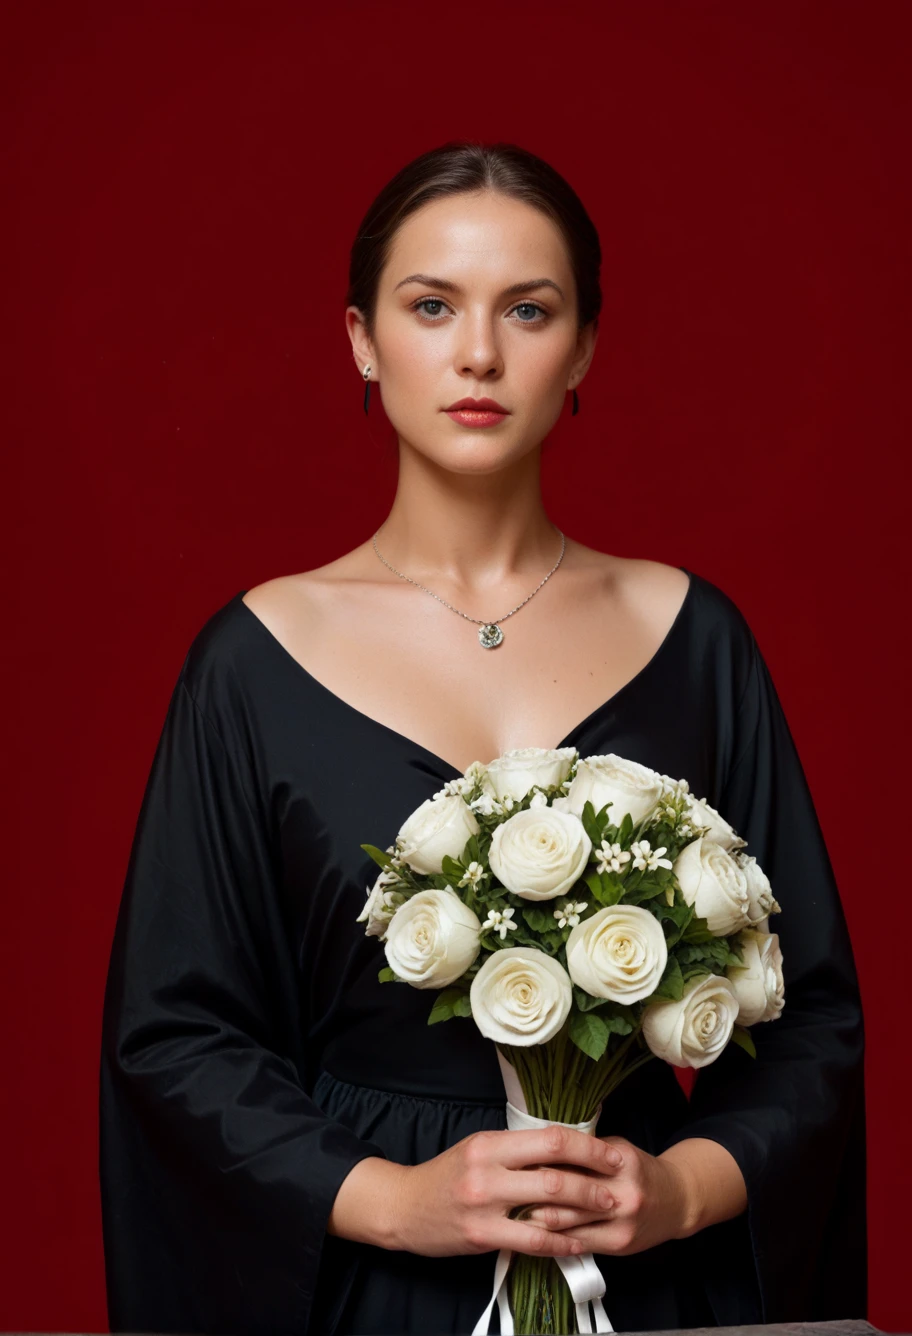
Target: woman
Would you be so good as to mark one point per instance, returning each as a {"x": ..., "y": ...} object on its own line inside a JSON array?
[{"x": 286, "y": 1146}]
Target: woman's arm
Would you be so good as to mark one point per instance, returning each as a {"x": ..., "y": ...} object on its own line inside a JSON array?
[{"x": 711, "y": 1184}]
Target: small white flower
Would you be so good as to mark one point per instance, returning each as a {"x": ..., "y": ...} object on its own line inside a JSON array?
[
  {"x": 380, "y": 905},
  {"x": 484, "y": 805},
  {"x": 611, "y": 857},
  {"x": 646, "y": 858},
  {"x": 569, "y": 912},
  {"x": 670, "y": 813},
  {"x": 538, "y": 799},
  {"x": 499, "y": 920},
  {"x": 396, "y": 851},
  {"x": 473, "y": 875}
]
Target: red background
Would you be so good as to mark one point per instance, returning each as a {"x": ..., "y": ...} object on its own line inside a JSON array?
[{"x": 185, "y": 181}]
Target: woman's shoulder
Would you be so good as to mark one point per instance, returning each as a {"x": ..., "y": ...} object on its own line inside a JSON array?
[
  {"x": 719, "y": 609},
  {"x": 665, "y": 588},
  {"x": 723, "y": 640},
  {"x": 245, "y": 636}
]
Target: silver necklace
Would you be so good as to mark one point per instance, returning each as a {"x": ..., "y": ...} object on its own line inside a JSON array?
[{"x": 489, "y": 633}]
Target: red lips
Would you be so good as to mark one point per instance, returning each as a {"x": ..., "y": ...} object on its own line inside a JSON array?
[{"x": 478, "y": 404}]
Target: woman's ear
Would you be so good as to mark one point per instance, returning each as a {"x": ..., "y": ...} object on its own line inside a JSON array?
[
  {"x": 362, "y": 348},
  {"x": 585, "y": 351}
]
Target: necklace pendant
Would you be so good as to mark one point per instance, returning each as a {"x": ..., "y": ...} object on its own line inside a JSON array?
[{"x": 490, "y": 635}]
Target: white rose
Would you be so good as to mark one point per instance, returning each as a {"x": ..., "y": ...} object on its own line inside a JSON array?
[
  {"x": 520, "y": 996},
  {"x": 441, "y": 825},
  {"x": 539, "y": 853},
  {"x": 720, "y": 832},
  {"x": 627, "y": 785},
  {"x": 432, "y": 939},
  {"x": 515, "y": 772},
  {"x": 620, "y": 953},
  {"x": 694, "y": 1031},
  {"x": 762, "y": 900},
  {"x": 381, "y": 903},
  {"x": 758, "y": 983},
  {"x": 712, "y": 881}
]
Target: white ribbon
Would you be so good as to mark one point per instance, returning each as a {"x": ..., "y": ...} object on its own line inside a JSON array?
[{"x": 585, "y": 1280}]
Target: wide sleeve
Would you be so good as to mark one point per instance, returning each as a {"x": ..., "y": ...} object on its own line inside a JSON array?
[
  {"x": 794, "y": 1116},
  {"x": 217, "y": 1171}
]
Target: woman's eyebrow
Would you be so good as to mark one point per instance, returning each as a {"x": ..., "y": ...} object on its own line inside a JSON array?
[{"x": 447, "y": 286}]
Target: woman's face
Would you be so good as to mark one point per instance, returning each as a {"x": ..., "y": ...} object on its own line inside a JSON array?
[{"x": 459, "y": 332}]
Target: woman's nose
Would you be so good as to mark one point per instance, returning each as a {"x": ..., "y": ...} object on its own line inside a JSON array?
[{"x": 479, "y": 349}]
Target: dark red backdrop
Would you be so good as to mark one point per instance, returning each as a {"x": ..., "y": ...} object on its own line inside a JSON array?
[{"x": 185, "y": 181}]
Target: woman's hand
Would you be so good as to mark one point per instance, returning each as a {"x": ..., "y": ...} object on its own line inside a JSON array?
[
  {"x": 459, "y": 1201},
  {"x": 652, "y": 1204}
]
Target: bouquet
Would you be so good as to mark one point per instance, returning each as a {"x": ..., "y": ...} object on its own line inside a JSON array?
[{"x": 589, "y": 914}]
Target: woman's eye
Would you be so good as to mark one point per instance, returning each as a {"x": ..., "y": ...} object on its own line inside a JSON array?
[
  {"x": 428, "y": 301},
  {"x": 530, "y": 309},
  {"x": 530, "y": 306}
]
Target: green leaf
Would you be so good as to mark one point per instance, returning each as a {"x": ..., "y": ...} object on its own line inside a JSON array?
[
  {"x": 589, "y": 1032},
  {"x": 378, "y": 855},
  {"x": 647, "y": 890},
  {"x": 585, "y": 1001},
  {"x": 625, "y": 830},
  {"x": 591, "y": 825},
  {"x": 742, "y": 1036},
  {"x": 594, "y": 881},
  {"x": 445, "y": 1005},
  {"x": 617, "y": 1023},
  {"x": 671, "y": 985},
  {"x": 462, "y": 1006},
  {"x": 539, "y": 920},
  {"x": 452, "y": 869},
  {"x": 612, "y": 889}
]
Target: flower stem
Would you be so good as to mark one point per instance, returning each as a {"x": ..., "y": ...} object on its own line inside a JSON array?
[{"x": 562, "y": 1084}]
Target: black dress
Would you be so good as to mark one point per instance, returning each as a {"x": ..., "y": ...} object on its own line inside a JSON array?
[{"x": 250, "y": 1057}]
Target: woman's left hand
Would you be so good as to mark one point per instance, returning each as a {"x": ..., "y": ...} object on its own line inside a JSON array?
[{"x": 651, "y": 1204}]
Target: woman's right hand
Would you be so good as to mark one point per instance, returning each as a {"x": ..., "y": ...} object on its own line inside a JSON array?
[{"x": 459, "y": 1201}]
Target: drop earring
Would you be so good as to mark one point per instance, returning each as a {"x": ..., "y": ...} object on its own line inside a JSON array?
[
  {"x": 575, "y": 408},
  {"x": 366, "y": 373}
]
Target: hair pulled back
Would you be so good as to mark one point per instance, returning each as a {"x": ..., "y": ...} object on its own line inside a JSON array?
[{"x": 459, "y": 167}]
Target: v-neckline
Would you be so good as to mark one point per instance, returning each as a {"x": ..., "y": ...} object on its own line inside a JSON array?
[{"x": 426, "y": 751}]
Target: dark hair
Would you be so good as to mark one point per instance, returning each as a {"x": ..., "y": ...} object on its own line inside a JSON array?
[{"x": 458, "y": 167}]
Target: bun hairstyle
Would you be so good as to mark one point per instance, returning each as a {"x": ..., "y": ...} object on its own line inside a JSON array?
[{"x": 463, "y": 166}]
